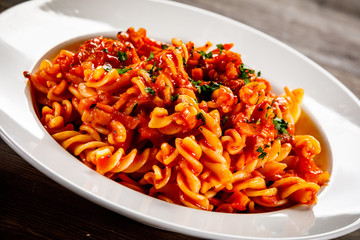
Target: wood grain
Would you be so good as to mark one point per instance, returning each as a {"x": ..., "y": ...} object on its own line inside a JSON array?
[{"x": 34, "y": 207}]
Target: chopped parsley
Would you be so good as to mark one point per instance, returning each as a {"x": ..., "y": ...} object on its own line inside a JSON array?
[
  {"x": 281, "y": 125},
  {"x": 123, "y": 70},
  {"x": 263, "y": 153},
  {"x": 151, "y": 56},
  {"x": 152, "y": 69},
  {"x": 244, "y": 73},
  {"x": 224, "y": 121},
  {"x": 205, "y": 55},
  {"x": 163, "y": 46},
  {"x": 200, "y": 116},
  {"x": 153, "y": 79},
  {"x": 259, "y": 73},
  {"x": 174, "y": 98},
  {"x": 150, "y": 90},
  {"x": 122, "y": 56},
  {"x": 135, "y": 106},
  {"x": 246, "y": 80},
  {"x": 184, "y": 62},
  {"x": 105, "y": 50},
  {"x": 195, "y": 83},
  {"x": 205, "y": 90},
  {"x": 244, "y": 68},
  {"x": 220, "y": 47},
  {"x": 210, "y": 88}
]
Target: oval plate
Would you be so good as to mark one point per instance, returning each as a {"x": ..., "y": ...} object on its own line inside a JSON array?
[{"x": 29, "y": 30}]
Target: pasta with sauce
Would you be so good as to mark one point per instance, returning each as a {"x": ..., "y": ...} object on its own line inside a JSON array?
[{"x": 180, "y": 123}]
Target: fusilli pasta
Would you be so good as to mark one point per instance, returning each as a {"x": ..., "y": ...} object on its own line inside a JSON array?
[{"x": 179, "y": 122}]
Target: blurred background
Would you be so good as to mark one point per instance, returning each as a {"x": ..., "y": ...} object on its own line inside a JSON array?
[{"x": 34, "y": 207}]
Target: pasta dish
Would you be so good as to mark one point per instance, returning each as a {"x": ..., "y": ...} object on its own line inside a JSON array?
[{"x": 182, "y": 123}]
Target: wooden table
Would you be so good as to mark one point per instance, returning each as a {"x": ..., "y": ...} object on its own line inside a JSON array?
[{"x": 34, "y": 207}]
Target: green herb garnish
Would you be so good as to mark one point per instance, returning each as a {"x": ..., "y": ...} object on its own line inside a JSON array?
[
  {"x": 205, "y": 90},
  {"x": 122, "y": 56},
  {"x": 163, "y": 46},
  {"x": 184, "y": 62},
  {"x": 195, "y": 83},
  {"x": 263, "y": 153},
  {"x": 224, "y": 121},
  {"x": 281, "y": 125},
  {"x": 206, "y": 55},
  {"x": 123, "y": 70},
  {"x": 150, "y": 90},
  {"x": 200, "y": 116},
  {"x": 105, "y": 50},
  {"x": 135, "y": 106},
  {"x": 244, "y": 73},
  {"x": 220, "y": 47},
  {"x": 209, "y": 88},
  {"x": 151, "y": 56},
  {"x": 152, "y": 69},
  {"x": 174, "y": 98}
]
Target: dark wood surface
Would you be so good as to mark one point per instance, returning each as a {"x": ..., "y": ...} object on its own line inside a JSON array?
[{"x": 34, "y": 207}]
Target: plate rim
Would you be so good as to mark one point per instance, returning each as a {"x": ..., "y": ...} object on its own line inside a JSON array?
[{"x": 34, "y": 162}]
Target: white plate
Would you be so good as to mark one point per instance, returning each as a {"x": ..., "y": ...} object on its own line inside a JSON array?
[{"x": 31, "y": 29}]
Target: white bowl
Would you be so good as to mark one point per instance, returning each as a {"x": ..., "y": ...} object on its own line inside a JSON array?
[{"x": 29, "y": 30}]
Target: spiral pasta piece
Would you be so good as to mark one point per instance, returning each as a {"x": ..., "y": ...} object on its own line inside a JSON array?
[
  {"x": 187, "y": 179},
  {"x": 302, "y": 191},
  {"x": 306, "y": 145},
  {"x": 233, "y": 142}
]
